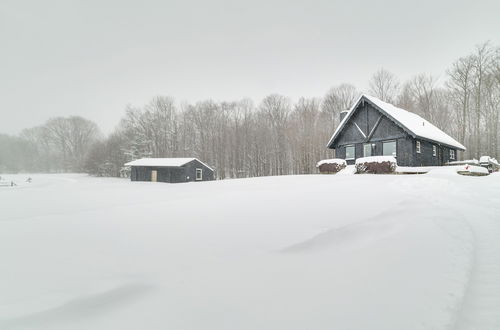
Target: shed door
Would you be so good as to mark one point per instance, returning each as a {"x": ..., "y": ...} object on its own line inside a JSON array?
[{"x": 154, "y": 175}]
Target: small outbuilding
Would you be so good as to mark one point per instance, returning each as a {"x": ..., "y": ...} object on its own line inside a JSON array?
[{"x": 173, "y": 170}]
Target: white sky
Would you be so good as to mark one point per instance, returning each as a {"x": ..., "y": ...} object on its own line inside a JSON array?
[{"x": 92, "y": 58}]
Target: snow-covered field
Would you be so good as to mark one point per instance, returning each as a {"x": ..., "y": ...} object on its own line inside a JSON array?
[{"x": 293, "y": 252}]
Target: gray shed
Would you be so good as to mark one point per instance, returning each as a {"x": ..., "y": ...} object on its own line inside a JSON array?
[{"x": 173, "y": 170}]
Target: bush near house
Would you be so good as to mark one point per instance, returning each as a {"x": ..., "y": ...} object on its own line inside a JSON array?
[
  {"x": 331, "y": 166},
  {"x": 376, "y": 165}
]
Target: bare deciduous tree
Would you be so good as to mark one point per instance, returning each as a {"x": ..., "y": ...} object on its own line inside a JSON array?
[
  {"x": 338, "y": 99},
  {"x": 384, "y": 85}
]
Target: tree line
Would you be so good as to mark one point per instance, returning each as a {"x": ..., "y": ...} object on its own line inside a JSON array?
[{"x": 273, "y": 137}]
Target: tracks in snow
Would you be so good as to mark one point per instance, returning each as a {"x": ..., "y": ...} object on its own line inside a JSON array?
[{"x": 479, "y": 308}]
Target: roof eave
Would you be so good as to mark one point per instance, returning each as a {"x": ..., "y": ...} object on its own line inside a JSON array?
[{"x": 461, "y": 147}]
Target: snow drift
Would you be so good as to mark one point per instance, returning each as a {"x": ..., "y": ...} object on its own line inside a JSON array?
[{"x": 292, "y": 252}]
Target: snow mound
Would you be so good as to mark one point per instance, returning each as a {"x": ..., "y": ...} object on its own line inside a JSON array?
[
  {"x": 375, "y": 159},
  {"x": 473, "y": 170},
  {"x": 336, "y": 161},
  {"x": 348, "y": 170}
]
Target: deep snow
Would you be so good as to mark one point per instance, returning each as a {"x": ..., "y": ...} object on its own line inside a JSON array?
[{"x": 291, "y": 252}]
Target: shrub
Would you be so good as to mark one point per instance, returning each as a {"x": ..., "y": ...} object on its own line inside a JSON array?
[
  {"x": 376, "y": 165},
  {"x": 331, "y": 166}
]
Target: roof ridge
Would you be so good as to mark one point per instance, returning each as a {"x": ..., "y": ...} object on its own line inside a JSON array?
[
  {"x": 184, "y": 162},
  {"x": 411, "y": 124}
]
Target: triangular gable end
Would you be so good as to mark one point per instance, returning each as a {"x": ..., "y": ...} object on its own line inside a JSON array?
[
  {"x": 352, "y": 111},
  {"x": 199, "y": 161}
]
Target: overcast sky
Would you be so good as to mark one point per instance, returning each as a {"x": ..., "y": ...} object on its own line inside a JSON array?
[{"x": 92, "y": 58}]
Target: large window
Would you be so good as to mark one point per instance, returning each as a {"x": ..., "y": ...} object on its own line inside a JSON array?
[
  {"x": 434, "y": 151},
  {"x": 199, "y": 174},
  {"x": 367, "y": 150},
  {"x": 349, "y": 152},
  {"x": 389, "y": 148},
  {"x": 452, "y": 154},
  {"x": 418, "y": 147}
]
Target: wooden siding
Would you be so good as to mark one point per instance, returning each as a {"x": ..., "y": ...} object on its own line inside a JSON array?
[
  {"x": 185, "y": 173},
  {"x": 426, "y": 157}
]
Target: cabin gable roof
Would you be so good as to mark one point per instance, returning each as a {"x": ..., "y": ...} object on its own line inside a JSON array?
[
  {"x": 411, "y": 123},
  {"x": 164, "y": 162}
]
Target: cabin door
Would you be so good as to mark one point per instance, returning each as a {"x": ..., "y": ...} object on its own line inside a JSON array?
[{"x": 154, "y": 176}]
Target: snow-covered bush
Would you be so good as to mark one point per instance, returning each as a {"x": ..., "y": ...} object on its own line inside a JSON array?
[
  {"x": 329, "y": 166},
  {"x": 376, "y": 165}
]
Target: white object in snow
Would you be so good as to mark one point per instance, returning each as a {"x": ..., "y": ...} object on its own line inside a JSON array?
[
  {"x": 486, "y": 160},
  {"x": 473, "y": 170}
]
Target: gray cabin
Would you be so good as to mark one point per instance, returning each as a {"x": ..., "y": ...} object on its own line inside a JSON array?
[
  {"x": 173, "y": 170},
  {"x": 372, "y": 127}
]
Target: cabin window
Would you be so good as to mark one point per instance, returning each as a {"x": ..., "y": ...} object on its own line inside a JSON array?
[
  {"x": 199, "y": 174},
  {"x": 452, "y": 154},
  {"x": 367, "y": 150},
  {"x": 349, "y": 152},
  {"x": 434, "y": 151},
  {"x": 418, "y": 147},
  {"x": 389, "y": 148}
]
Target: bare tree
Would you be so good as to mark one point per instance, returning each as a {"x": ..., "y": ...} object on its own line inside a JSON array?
[
  {"x": 304, "y": 124},
  {"x": 337, "y": 99},
  {"x": 72, "y": 136},
  {"x": 460, "y": 85},
  {"x": 384, "y": 85},
  {"x": 276, "y": 108},
  {"x": 483, "y": 61},
  {"x": 422, "y": 88}
]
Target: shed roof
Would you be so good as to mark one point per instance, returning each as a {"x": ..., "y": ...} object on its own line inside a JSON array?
[
  {"x": 415, "y": 125},
  {"x": 163, "y": 162}
]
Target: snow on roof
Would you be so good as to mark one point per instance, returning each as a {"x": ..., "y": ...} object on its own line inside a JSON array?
[
  {"x": 163, "y": 162},
  {"x": 412, "y": 122},
  {"x": 331, "y": 161}
]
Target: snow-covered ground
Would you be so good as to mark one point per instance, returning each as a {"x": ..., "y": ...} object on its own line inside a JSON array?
[{"x": 293, "y": 252}]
